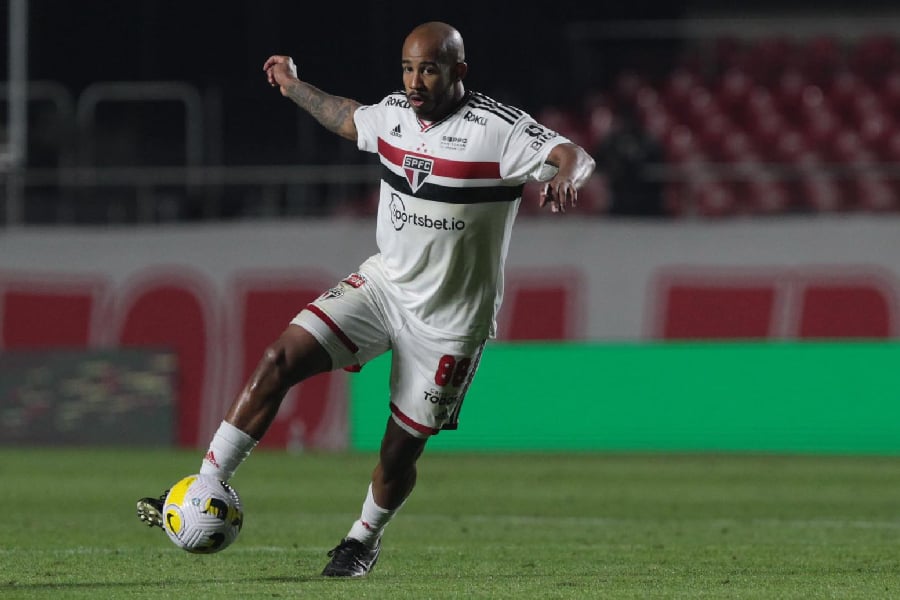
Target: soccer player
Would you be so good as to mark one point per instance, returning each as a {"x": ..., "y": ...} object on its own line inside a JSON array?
[{"x": 453, "y": 163}]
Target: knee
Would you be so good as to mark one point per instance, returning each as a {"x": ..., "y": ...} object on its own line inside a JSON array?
[
  {"x": 293, "y": 357},
  {"x": 399, "y": 454},
  {"x": 276, "y": 367}
]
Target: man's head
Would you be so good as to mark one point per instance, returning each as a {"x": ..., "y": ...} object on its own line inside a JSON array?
[{"x": 433, "y": 60}]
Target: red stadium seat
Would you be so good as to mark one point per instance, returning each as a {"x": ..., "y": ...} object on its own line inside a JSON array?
[
  {"x": 701, "y": 105},
  {"x": 875, "y": 55},
  {"x": 681, "y": 144},
  {"x": 658, "y": 124},
  {"x": 820, "y": 193},
  {"x": 729, "y": 53},
  {"x": 627, "y": 86},
  {"x": 790, "y": 146},
  {"x": 760, "y": 102},
  {"x": 865, "y": 104},
  {"x": 715, "y": 199},
  {"x": 600, "y": 123},
  {"x": 737, "y": 147},
  {"x": 875, "y": 132},
  {"x": 874, "y": 194},
  {"x": 713, "y": 132},
  {"x": 647, "y": 100},
  {"x": 891, "y": 147},
  {"x": 565, "y": 123},
  {"x": 594, "y": 197},
  {"x": 733, "y": 91},
  {"x": 765, "y": 131},
  {"x": 789, "y": 92},
  {"x": 768, "y": 58},
  {"x": 677, "y": 90},
  {"x": 890, "y": 91},
  {"x": 765, "y": 196},
  {"x": 819, "y": 58},
  {"x": 821, "y": 128},
  {"x": 848, "y": 149}
]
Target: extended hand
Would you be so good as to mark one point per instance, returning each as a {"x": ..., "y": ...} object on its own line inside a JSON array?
[
  {"x": 558, "y": 192},
  {"x": 281, "y": 72}
]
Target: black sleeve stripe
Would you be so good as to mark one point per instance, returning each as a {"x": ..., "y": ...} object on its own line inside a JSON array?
[
  {"x": 493, "y": 111},
  {"x": 511, "y": 110}
]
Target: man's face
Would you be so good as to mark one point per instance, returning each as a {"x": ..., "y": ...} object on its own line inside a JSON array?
[{"x": 426, "y": 79}]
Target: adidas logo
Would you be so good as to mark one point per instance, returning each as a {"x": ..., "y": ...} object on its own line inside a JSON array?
[
  {"x": 211, "y": 459},
  {"x": 396, "y": 131}
]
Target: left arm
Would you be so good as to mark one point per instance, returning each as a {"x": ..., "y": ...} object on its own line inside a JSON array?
[{"x": 574, "y": 167}]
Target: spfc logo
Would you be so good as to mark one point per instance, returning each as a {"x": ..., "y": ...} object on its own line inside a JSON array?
[{"x": 417, "y": 170}]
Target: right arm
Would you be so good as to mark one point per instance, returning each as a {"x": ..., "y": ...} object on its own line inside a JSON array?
[{"x": 333, "y": 112}]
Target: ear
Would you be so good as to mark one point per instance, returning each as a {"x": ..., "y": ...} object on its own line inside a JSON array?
[{"x": 459, "y": 70}]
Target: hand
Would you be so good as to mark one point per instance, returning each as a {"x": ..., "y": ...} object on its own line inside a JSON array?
[
  {"x": 558, "y": 192},
  {"x": 281, "y": 72}
]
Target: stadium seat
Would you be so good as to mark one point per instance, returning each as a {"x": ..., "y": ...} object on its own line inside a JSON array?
[
  {"x": 819, "y": 192},
  {"x": 594, "y": 197},
  {"x": 768, "y": 58},
  {"x": 626, "y": 87},
  {"x": 600, "y": 122},
  {"x": 874, "y": 194},
  {"x": 733, "y": 91},
  {"x": 765, "y": 131},
  {"x": 713, "y": 132},
  {"x": 681, "y": 144},
  {"x": 676, "y": 91},
  {"x": 701, "y": 105},
  {"x": 873, "y": 56},
  {"x": 844, "y": 88},
  {"x": 789, "y": 93},
  {"x": 565, "y": 123},
  {"x": 820, "y": 57},
  {"x": 875, "y": 131},
  {"x": 658, "y": 123},
  {"x": 760, "y": 102},
  {"x": 822, "y": 127},
  {"x": 891, "y": 147},
  {"x": 715, "y": 199},
  {"x": 790, "y": 147},
  {"x": 890, "y": 91},
  {"x": 763, "y": 195},
  {"x": 848, "y": 148},
  {"x": 737, "y": 147}
]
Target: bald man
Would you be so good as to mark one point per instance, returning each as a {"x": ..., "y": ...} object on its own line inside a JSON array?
[{"x": 453, "y": 163}]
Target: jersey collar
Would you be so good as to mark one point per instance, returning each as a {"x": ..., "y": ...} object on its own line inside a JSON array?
[{"x": 428, "y": 125}]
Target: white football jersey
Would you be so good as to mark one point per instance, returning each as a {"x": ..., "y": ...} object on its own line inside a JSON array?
[{"x": 450, "y": 191}]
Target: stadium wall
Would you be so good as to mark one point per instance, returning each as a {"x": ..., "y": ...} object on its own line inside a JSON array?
[{"x": 216, "y": 294}]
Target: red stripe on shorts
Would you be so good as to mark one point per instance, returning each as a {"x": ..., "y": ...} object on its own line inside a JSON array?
[
  {"x": 334, "y": 327},
  {"x": 409, "y": 422}
]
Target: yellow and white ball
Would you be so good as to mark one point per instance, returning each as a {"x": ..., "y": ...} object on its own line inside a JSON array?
[{"x": 202, "y": 514}]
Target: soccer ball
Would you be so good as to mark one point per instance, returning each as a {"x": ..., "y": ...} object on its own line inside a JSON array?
[{"x": 202, "y": 514}]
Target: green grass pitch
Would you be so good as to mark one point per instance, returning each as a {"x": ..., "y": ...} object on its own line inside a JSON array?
[{"x": 477, "y": 526}]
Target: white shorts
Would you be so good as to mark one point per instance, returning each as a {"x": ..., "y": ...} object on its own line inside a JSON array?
[{"x": 356, "y": 321}]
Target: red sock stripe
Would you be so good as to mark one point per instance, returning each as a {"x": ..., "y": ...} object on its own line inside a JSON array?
[
  {"x": 409, "y": 422},
  {"x": 334, "y": 327}
]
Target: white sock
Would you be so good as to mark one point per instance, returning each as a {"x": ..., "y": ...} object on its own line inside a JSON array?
[
  {"x": 372, "y": 521},
  {"x": 227, "y": 450}
]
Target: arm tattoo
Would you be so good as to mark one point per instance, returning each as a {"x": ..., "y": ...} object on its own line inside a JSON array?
[{"x": 333, "y": 112}]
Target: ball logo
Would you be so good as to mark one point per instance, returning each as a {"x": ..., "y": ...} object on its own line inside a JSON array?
[
  {"x": 417, "y": 170},
  {"x": 173, "y": 520}
]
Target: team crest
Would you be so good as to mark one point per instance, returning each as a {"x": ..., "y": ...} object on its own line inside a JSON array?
[{"x": 417, "y": 170}]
